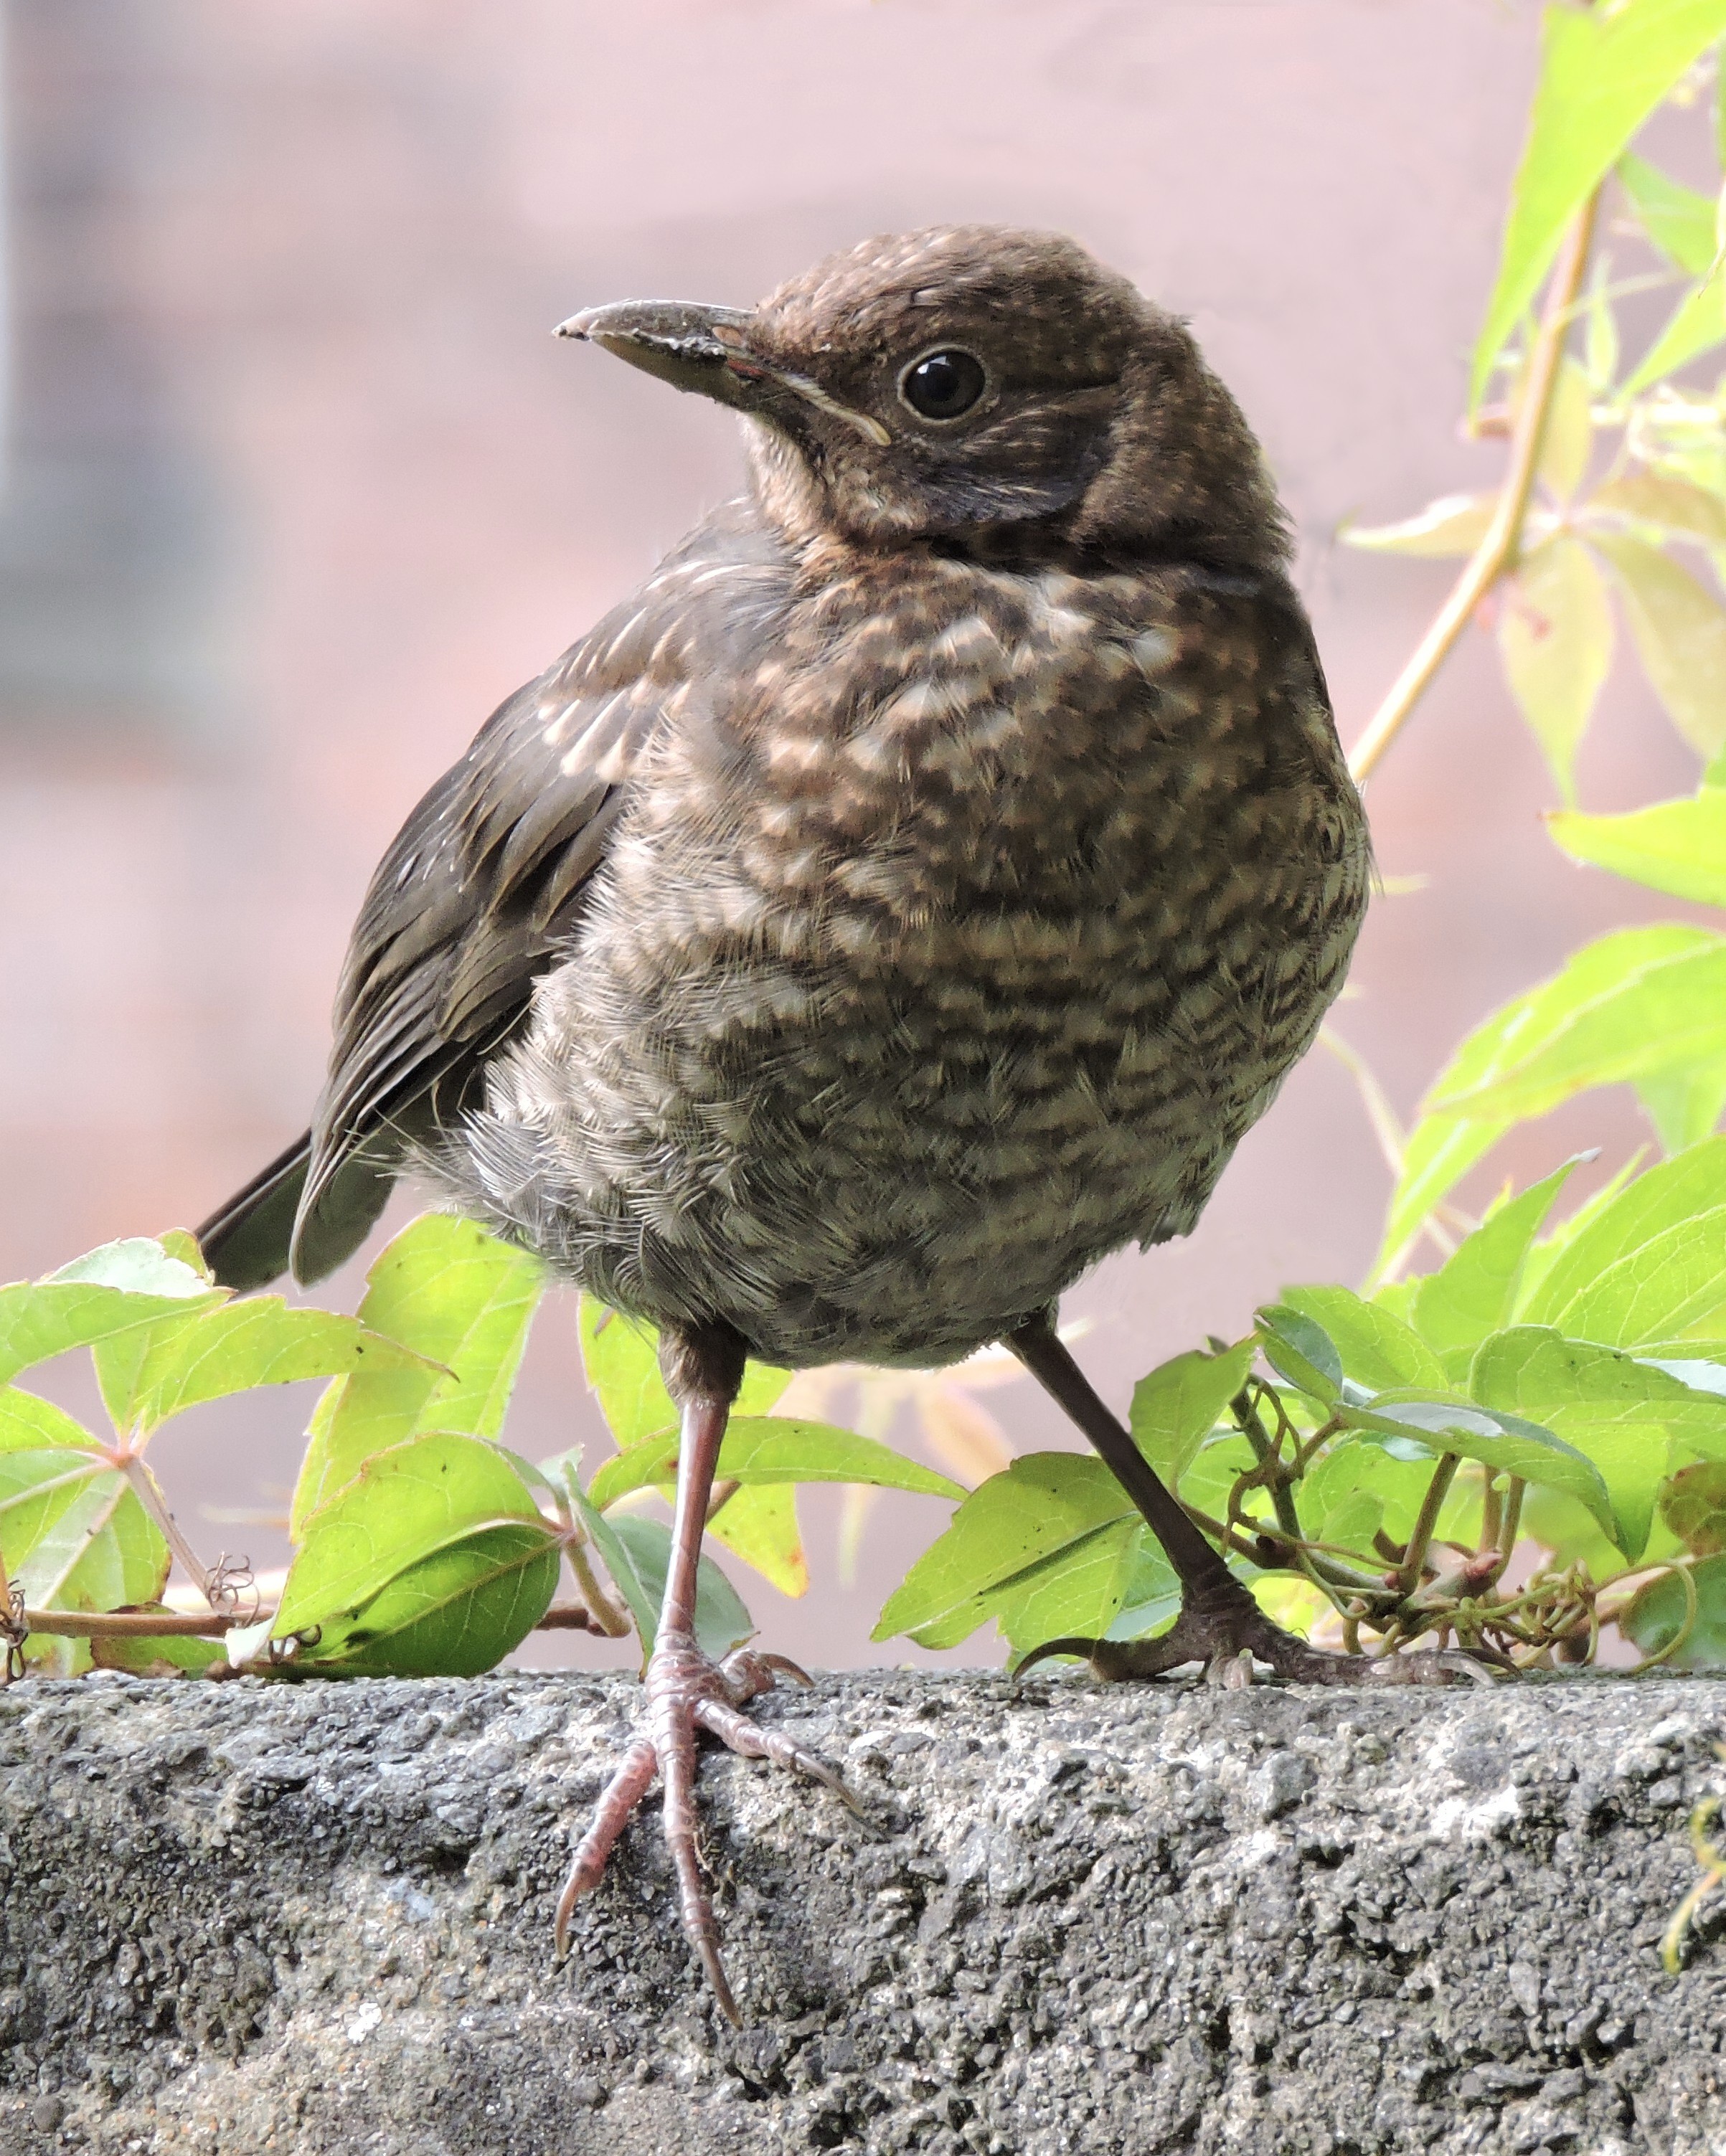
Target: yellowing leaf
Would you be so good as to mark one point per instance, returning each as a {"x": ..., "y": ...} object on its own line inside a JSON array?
[
  {"x": 1455, "y": 524},
  {"x": 1660, "y": 497},
  {"x": 760, "y": 1526},
  {"x": 1567, "y": 435},
  {"x": 1680, "y": 632},
  {"x": 1555, "y": 637}
]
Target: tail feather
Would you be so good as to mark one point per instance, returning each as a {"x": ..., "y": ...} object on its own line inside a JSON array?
[
  {"x": 247, "y": 1242},
  {"x": 265, "y": 1230}
]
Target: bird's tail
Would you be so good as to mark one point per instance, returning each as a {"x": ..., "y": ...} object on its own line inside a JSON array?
[
  {"x": 266, "y": 1230},
  {"x": 247, "y": 1243}
]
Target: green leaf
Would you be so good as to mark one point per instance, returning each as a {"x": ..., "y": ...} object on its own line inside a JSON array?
[
  {"x": 620, "y": 1356},
  {"x": 770, "y": 1449},
  {"x": 1679, "y": 627},
  {"x": 1694, "y": 1507},
  {"x": 1377, "y": 1348},
  {"x": 1656, "y": 1615},
  {"x": 1474, "y": 1291},
  {"x": 1151, "y": 1594},
  {"x": 644, "y": 1605},
  {"x": 1684, "y": 1105},
  {"x": 1602, "y": 73},
  {"x": 1453, "y": 525},
  {"x": 722, "y": 1622},
  {"x": 1043, "y": 1505},
  {"x": 1507, "y": 1443},
  {"x": 1555, "y": 639},
  {"x": 1668, "y": 1199},
  {"x": 206, "y": 1355},
  {"x": 407, "y": 1503},
  {"x": 1696, "y": 326},
  {"x": 1448, "y": 1141},
  {"x": 168, "y": 1654},
  {"x": 1076, "y": 1594},
  {"x": 1176, "y": 1408},
  {"x": 1658, "y": 498},
  {"x": 1622, "y": 1414},
  {"x": 73, "y": 1534},
  {"x": 111, "y": 1290},
  {"x": 454, "y": 1613},
  {"x": 1676, "y": 1282},
  {"x": 1675, "y": 846},
  {"x": 1299, "y": 1349},
  {"x": 1678, "y": 221},
  {"x": 459, "y": 1299},
  {"x": 1601, "y": 329},
  {"x": 1631, "y": 1003},
  {"x": 27, "y": 1424},
  {"x": 760, "y": 1526}
]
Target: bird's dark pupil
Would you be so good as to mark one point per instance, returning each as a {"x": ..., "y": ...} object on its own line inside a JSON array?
[{"x": 944, "y": 384}]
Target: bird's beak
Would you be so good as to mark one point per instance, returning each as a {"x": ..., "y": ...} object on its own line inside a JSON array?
[{"x": 707, "y": 350}]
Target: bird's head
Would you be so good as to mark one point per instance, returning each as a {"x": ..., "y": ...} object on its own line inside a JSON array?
[{"x": 983, "y": 389}]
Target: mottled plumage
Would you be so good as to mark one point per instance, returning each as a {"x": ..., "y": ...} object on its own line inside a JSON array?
[{"x": 909, "y": 895}]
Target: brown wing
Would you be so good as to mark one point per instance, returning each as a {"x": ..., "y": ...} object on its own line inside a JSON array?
[{"x": 484, "y": 887}]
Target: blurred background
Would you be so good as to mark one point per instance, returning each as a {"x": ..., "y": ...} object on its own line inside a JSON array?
[{"x": 297, "y": 486}]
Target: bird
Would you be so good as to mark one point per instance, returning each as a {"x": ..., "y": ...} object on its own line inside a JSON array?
[{"x": 908, "y": 896}]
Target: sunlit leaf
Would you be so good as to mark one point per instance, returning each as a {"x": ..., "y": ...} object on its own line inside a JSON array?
[
  {"x": 1660, "y": 499},
  {"x": 1658, "y": 1612},
  {"x": 1675, "y": 846},
  {"x": 1684, "y": 1104},
  {"x": 1674, "y": 1283},
  {"x": 1454, "y": 525},
  {"x": 760, "y": 1526},
  {"x": 761, "y": 1449},
  {"x": 1678, "y": 221},
  {"x": 620, "y": 1356},
  {"x": 1696, "y": 324},
  {"x": 1044, "y": 1504},
  {"x": 1679, "y": 627},
  {"x": 1600, "y": 331},
  {"x": 459, "y": 1298},
  {"x": 455, "y": 1612},
  {"x": 208, "y": 1354},
  {"x": 1178, "y": 1405},
  {"x": 1555, "y": 639},
  {"x": 74, "y": 1535},
  {"x": 1377, "y": 1348},
  {"x": 1602, "y": 73},
  {"x": 1669, "y": 1196},
  {"x": 122, "y": 1285},
  {"x": 1631, "y": 1003},
  {"x": 406, "y": 1503},
  {"x": 1475, "y": 1291},
  {"x": 1078, "y": 1593}
]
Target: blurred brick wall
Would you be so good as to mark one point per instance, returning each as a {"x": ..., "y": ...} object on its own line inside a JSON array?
[{"x": 283, "y": 278}]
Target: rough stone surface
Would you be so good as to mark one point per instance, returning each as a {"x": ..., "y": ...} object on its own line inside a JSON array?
[{"x": 245, "y": 1916}]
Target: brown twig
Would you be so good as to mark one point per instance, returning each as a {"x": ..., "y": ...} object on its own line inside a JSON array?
[
  {"x": 1498, "y": 549},
  {"x": 212, "y": 1624}
]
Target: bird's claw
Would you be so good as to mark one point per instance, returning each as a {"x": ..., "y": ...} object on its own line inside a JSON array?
[{"x": 687, "y": 1691}]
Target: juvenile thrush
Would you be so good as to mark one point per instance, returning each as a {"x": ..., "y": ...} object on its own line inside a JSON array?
[{"x": 908, "y": 896}]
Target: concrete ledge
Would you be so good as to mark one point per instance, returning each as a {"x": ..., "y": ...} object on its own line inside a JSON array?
[{"x": 247, "y": 1917}]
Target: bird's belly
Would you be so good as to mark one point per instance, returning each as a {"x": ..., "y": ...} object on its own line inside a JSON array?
[{"x": 889, "y": 1159}]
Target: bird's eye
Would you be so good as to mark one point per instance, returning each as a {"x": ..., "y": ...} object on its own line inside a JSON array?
[{"x": 944, "y": 384}]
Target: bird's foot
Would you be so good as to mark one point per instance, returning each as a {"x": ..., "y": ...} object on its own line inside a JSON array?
[
  {"x": 687, "y": 1691},
  {"x": 1230, "y": 1638}
]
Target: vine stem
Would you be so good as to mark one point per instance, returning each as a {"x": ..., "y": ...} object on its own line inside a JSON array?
[
  {"x": 1498, "y": 549},
  {"x": 212, "y": 1624}
]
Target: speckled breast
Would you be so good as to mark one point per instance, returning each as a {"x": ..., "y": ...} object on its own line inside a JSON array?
[{"x": 955, "y": 946}]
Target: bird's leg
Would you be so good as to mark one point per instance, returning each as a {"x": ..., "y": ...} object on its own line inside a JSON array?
[
  {"x": 1219, "y": 1625},
  {"x": 686, "y": 1689}
]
